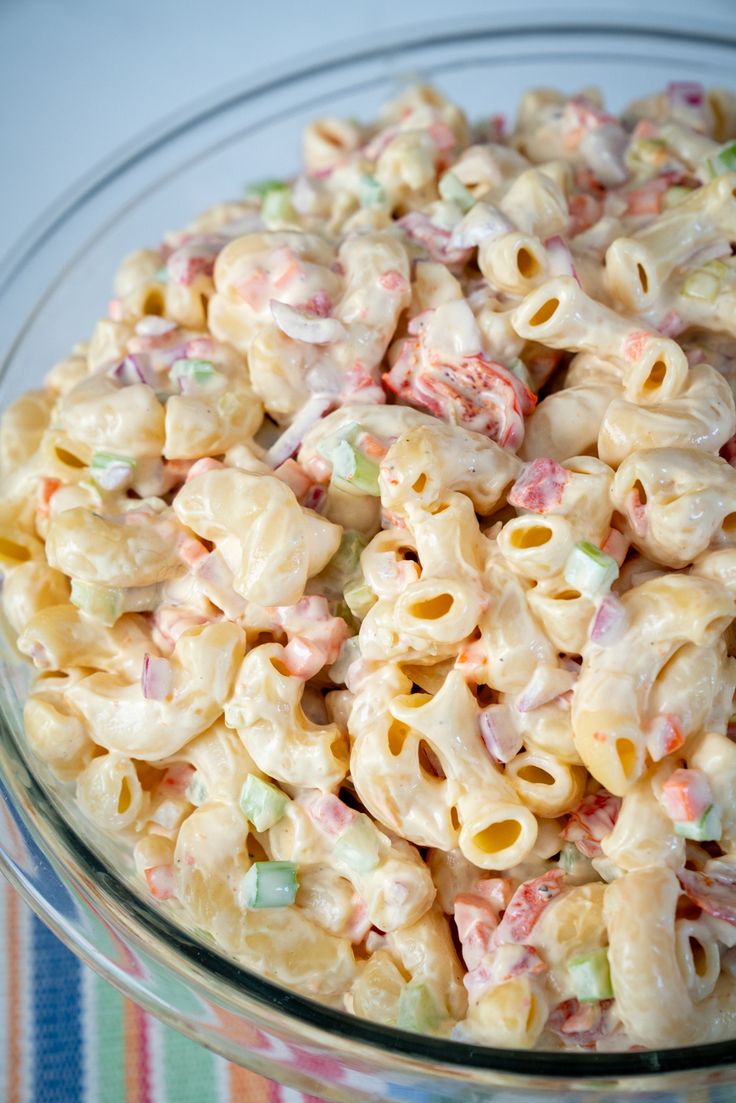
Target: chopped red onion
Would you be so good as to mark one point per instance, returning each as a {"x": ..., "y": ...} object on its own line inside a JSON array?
[
  {"x": 546, "y": 683},
  {"x": 152, "y": 325},
  {"x": 560, "y": 258},
  {"x": 482, "y": 223},
  {"x": 133, "y": 369},
  {"x": 289, "y": 441},
  {"x": 685, "y": 93},
  {"x": 156, "y": 678},
  {"x": 314, "y": 329},
  {"x": 499, "y": 733},
  {"x": 609, "y": 621}
]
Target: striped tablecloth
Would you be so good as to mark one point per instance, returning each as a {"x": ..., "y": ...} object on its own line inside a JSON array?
[{"x": 66, "y": 1036}]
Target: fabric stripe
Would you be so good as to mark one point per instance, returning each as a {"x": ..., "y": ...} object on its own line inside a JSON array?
[
  {"x": 13, "y": 989},
  {"x": 137, "y": 1057},
  {"x": 187, "y": 1064},
  {"x": 90, "y": 1075},
  {"x": 110, "y": 1044},
  {"x": 248, "y": 1087},
  {"x": 57, "y": 1024}
]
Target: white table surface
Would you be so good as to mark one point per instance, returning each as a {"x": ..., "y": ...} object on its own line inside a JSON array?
[{"x": 79, "y": 78}]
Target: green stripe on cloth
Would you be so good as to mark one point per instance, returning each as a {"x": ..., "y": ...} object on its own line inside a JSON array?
[
  {"x": 110, "y": 1042},
  {"x": 186, "y": 1064}
]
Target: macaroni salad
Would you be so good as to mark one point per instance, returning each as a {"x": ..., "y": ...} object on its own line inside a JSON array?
[{"x": 377, "y": 559}]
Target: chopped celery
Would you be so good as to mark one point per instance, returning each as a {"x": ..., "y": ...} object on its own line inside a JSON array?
[
  {"x": 349, "y": 653},
  {"x": 589, "y": 570},
  {"x": 675, "y": 195},
  {"x": 724, "y": 160},
  {"x": 591, "y": 976},
  {"x": 359, "y": 597},
  {"x": 102, "y": 602},
  {"x": 518, "y": 368},
  {"x": 202, "y": 372},
  {"x": 269, "y": 885},
  {"x": 418, "y": 1010},
  {"x": 358, "y": 847},
  {"x": 111, "y": 471},
  {"x": 353, "y": 471},
  {"x": 345, "y": 563},
  {"x": 370, "y": 191},
  {"x": 707, "y": 828},
  {"x": 276, "y": 206},
  {"x": 262, "y": 803},
  {"x": 162, "y": 275},
  {"x": 196, "y": 792},
  {"x": 701, "y": 284},
  {"x": 261, "y": 188},
  {"x": 452, "y": 188}
]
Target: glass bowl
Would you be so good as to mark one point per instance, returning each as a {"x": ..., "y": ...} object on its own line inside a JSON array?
[{"x": 51, "y": 292}]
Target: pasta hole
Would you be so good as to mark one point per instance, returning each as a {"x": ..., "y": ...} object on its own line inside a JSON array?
[
  {"x": 433, "y": 608},
  {"x": 454, "y": 819},
  {"x": 729, "y": 524},
  {"x": 429, "y": 762},
  {"x": 656, "y": 376},
  {"x": 153, "y": 302},
  {"x": 568, "y": 595},
  {"x": 535, "y": 536},
  {"x": 643, "y": 278},
  {"x": 397, "y": 734},
  {"x": 545, "y": 312},
  {"x": 532, "y": 1012},
  {"x": 627, "y": 756},
  {"x": 441, "y": 508},
  {"x": 535, "y": 775},
  {"x": 419, "y": 484},
  {"x": 125, "y": 798},
  {"x": 700, "y": 957},
  {"x": 67, "y": 458},
  {"x": 638, "y": 489},
  {"x": 11, "y": 550},
  {"x": 527, "y": 264},
  {"x": 330, "y": 137},
  {"x": 280, "y": 667},
  {"x": 498, "y": 836}
]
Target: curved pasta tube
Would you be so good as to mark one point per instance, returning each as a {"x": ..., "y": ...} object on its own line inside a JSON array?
[
  {"x": 54, "y": 732},
  {"x": 511, "y": 1015},
  {"x": 448, "y": 541},
  {"x": 536, "y": 547},
  {"x": 564, "y": 613},
  {"x": 428, "y": 799},
  {"x": 386, "y": 423},
  {"x": 426, "y": 621},
  {"x": 698, "y": 957},
  {"x": 265, "y": 708},
  {"x": 431, "y": 460},
  {"x": 536, "y": 205},
  {"x": 61, "y": 637},
  {"x": 110, "y": 794},
  {"x": 211, "y": 857},
  {"x": 270, "y": 543},
  {"x": 715, "y": 754},
  {"x": 545, "y": 784},
  {"x": 18, "y": 545},
  {"x": 676, "y": 501},
  {"x": 639, "y": 265},
  {"x": 549, "y": 729},
  {"x": 99, "y": 414},
  {"x": 718, "y": 564},
  {"x": 426, "y": 952},
  {"x": 514, "y": 263},
  {"x": 570, "y": 925},
  {"x": 66, "y": 373},
  {"x": 30, "y": 587},
  {"x": 642, "y": 835},
  {"x": 21, "y": 427},
  {"x": 136, "y": 549},
  {"x": 696, "y": 685},
  {"x": 567, "y": 422},
  {"x": 220, "y": 760},
  {"x": 204, "y": 663},
  {"x": 610, "y": 696},
  {"x": 701, "y": 416},
  {"x": 559, "y": 314},
  {"x": 652, "y": 997},
  {"x": 388, "y": 563},
  {"x": 512, "y": 642}
]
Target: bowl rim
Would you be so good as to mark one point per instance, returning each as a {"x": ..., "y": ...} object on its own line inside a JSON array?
[{"x": 31, "y": 800}]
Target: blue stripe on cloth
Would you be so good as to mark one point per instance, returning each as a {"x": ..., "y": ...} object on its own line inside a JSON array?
[{"x": 57, "y": 1020}]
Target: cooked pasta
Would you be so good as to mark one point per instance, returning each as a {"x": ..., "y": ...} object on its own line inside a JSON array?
[{"x": 376, "y": 558}]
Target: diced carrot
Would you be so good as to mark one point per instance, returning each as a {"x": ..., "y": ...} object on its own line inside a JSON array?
[
  {"x": 160, "y": 880},
  {"x": 46, "y": 490},
  {"x": 686, "y": 794}
]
